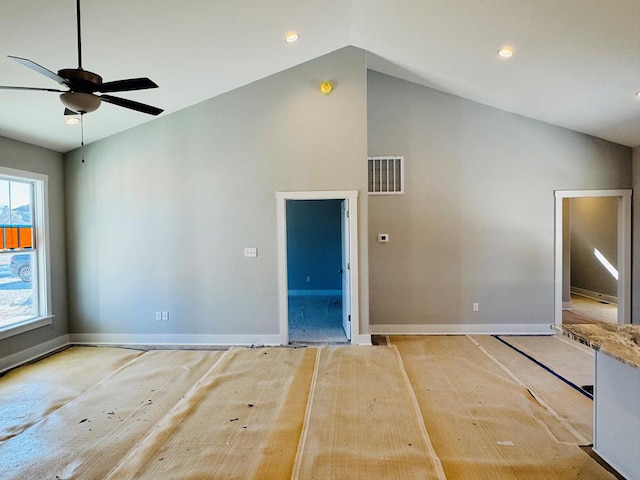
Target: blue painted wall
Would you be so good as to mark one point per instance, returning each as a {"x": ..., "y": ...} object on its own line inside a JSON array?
[{"x": 314, "y": 244}]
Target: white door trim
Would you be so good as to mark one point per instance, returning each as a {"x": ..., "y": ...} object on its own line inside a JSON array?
[
  {"x": 352, "y": 197},
  {"x": 624, "y": 248}
]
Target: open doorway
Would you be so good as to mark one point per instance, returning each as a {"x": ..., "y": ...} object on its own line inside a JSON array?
[
  {"x": 590, "y": 272},
  {"x": 317, "y": 260},
  {"x": 593, "y": 244},
  {"x": 315, "y": 271}
]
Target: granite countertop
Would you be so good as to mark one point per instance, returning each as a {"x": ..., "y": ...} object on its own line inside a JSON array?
[{"x": 621, "y": 342}]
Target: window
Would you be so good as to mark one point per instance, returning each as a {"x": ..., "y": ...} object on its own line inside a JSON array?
[
  {"x": 24, "y": 296},
  {"x": 386, "y": 175}
]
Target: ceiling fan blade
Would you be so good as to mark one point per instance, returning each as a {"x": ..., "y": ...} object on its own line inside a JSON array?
[
  {"x": 140, "y": 107},
  {"x": 127, "y": 85},
  {"x": 40, "y": 69},
  {"x": 6, "y": 87}
]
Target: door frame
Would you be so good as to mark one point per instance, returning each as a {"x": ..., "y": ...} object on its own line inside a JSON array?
[
  {"x": 624, "y": 248},
  {"x": 351, "y": 196}
]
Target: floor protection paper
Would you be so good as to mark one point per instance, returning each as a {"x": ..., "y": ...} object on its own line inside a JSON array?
[
  {"x": 31, "y": 392},
  {"x": 87, "y": 436},
  {"x": 242, "y": 420},
  {"x": 362, "y": 422},
  {"x": 482, "y": 422}
]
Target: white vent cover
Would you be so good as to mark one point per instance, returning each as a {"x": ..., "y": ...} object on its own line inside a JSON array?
[{"x": 386, "y": 175}]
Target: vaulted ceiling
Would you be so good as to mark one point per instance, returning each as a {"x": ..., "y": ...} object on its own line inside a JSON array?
[{"x": 576, "y": 62}]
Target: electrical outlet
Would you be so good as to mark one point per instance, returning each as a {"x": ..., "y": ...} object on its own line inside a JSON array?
[
  {"x": 308, "y": 278},
  {"x": 158, "y": 316},
  {"x": 165, "y": 316},
  {"x": 476, "y": 307},
  {"x": 250, "y": 252}
]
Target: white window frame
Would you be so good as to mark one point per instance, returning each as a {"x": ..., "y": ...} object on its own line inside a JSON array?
[{"x": 44, "y": 315}]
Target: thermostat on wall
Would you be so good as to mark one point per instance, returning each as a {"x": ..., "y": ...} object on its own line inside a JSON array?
[{"x": 383, "y": 237}]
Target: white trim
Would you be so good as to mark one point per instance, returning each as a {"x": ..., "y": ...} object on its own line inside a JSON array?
[
  {"x": 624, "y": 248},
  {"x": 168, "y": 340},
  {"x": 362, "y": 339},
  {"x": 591, "y": 193},
  {"x": 26, "y": 326},
  {"x": 33, "y": 353},
  {"x": 352, "y": 197},
  {"x": 317, "y": 195},
  {"x": 314, "y": 293},
  {"x": 583, "y": 292},
  {"x": 464, "y": 329},
  {"x": 40, "y": 222}
]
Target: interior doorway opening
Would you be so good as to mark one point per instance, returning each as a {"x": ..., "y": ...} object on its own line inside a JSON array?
[
  {"x": 314, "y": 271},
  {"x": 318, "y": 267},
  {"x": 606, "y": 296}
]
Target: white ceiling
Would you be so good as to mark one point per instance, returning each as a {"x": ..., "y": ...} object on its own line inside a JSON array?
[{"x": 577, "y": 62}]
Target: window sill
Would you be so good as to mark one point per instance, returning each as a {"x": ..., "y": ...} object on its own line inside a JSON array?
[{"x": 25, "y": 326}]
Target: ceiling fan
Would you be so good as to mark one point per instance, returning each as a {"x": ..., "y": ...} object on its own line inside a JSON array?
[{"x": 86, "y": 90}]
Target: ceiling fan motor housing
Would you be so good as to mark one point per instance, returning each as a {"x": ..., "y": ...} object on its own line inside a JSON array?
[
  {"x": 80, "y": 80},
  {"x": 82, "y": 84}
]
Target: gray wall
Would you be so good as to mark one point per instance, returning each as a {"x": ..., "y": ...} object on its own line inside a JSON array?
[
  {"x": 594, "y": 224},
  {"x": 14, "y": 154},
  {"x": 314, "y": 244},
  {"x": 477, "y": 221},
  {"x": 158, "y": 216}
]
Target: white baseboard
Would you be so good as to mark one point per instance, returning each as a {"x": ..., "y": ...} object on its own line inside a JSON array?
[
  {"x": 313, "y": 293},
  {"x": 177, "y": 341},
  {"x": 363, "y": 339},
  {"x": 464, "y": 329},
  {"x": 33, "y": 353},
  {"x": 168, "y": 340},
  {"x": 594, "y": 295}
]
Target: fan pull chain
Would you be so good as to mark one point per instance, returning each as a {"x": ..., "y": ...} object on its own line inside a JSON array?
[{"x": 82, "y": 135}]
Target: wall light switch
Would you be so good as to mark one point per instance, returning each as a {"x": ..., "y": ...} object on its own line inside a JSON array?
[
  {"x": 383, "y": 237},
  {"x": 251, "y": 252}
]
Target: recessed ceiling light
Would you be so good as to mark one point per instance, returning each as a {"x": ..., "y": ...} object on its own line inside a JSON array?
[
  {"x": 72, "y": 121},
  {"x": 292, "y": 37},
  {"x": 505, "y": 52},
  {"x": 638, "y": 94}
]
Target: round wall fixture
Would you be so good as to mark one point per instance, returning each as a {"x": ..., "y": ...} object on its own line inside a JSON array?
[{"x": 326, "y": 88}]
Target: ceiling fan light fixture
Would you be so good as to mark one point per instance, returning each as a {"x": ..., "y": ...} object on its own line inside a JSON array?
[
  {"x": 72, "y": 120},
  {"x": 80, "y": 102},
  {"x": 292, "y": 37}
]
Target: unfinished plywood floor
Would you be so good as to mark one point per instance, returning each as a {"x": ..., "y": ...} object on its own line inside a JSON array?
[
  {"x": 588, "y": 310},
  {"x": 424, "y": 407}
]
